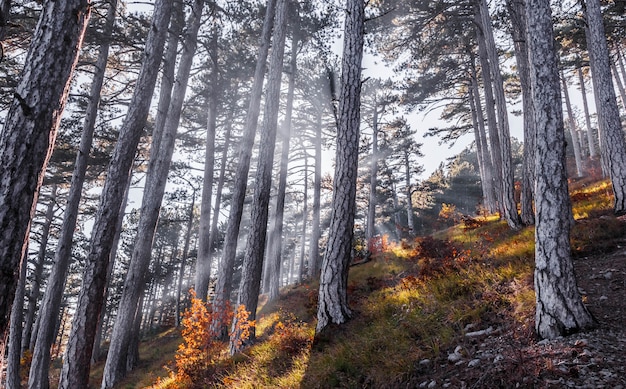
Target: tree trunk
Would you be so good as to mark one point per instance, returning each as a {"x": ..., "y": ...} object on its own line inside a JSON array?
[
  {"x": 517, "y": 13},
  {"x": 116, "y": 366},
  {"x": 600, "y": 123},
  {"x": 509, "y": 207},
  {"x": 152, "y": 308},
  {"x": 75, "y": 371},
  {"x": 38, "y": 271},
  {"x": 560, "y": 310},
  {"x": 491, "y": 202},
  {"x": 220, "y": 184},
  {"x": 176, "y": 26},
  {"x": 622, "y": 72},
  {"x": 618, "y": 82},
  {"x": 612, "y": 145},
  {"x": 591, "y": 139},
  {"x": 14, "y": 353},
  {"x": 59, "y": 330},
  {"x": 305, "y": 213},
  {"x": 409, "y": 193},
  {"x": 333, "y": 293},
  {"x": 291, "y": 262},
  {"x": 132, "y": 354},
  {"x": 480, "y": 153},
  {"x": 168, "y": 283},
  {"x": 183, "y": 263},
  {"x": 96, "y": 355},
  {"x": 572, "y": 128},
  {"x": 492, "y": 125},
  {"x": 396, "y": 205},
  {"x": 255, "y": 245},
  {"x": 203, "y": 262},
  {"x": 371, "y": 206},
  {"x": 620, "y": 60},
  {"x": 276, "y": 243},
  {"x": 103, "y": 327},
  {"x": 316, "y": 233},
  {"x": 148, "y": 306},
  {"x": 29, "y": 133},
  {"x": 5, "y": 10},
  {"x": 223, "y": 286},
  {"x": 48, "y": 315}
]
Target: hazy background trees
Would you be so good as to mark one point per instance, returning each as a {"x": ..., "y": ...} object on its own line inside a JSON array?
[{"x": 422, "y": 60}]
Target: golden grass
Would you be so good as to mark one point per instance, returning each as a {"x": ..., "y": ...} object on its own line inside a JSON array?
[
  {"x": 402, "y": 315},
  {"x": 590, "y": 199}
]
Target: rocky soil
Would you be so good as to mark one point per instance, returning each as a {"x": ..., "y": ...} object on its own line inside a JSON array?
[{"x": 510, "y": 356}]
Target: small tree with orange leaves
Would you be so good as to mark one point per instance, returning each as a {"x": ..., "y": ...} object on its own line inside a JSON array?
[
  {"x": 200, "y": 349},
  {"x": 242, "y": 330}
]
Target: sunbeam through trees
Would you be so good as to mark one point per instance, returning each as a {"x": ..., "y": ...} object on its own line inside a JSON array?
[{"x": 278, "y": 184}]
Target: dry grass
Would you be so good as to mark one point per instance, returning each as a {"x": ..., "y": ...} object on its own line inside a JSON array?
[
  {"x": 410, "y": 304},
  {"x": 156, "y": 358}
]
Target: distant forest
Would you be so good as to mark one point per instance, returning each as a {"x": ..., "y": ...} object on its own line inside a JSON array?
[{"x": 234, "y": 148}]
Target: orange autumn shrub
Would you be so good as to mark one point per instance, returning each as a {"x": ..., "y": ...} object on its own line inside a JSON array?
[
  {"x": 200, "y": 349},
  {"x": 243, "y": 328}
]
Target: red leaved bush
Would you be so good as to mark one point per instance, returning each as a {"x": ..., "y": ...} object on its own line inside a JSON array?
[{"x": 438, "y": 256}]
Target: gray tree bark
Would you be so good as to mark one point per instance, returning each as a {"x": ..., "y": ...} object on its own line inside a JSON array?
[
  {"x": 490, "y": 197},
  {"x": 102, "y": 324},
  {"x": 37, "y": 273},
  {"x": 49, "y": 312},
  {"x": 371, "y": 206},
  {"x": 483, "y": 157},
  {"x": 255, "y": 245},
  {"x": 560, "y": 310},
  {"x": 75, "y": 371},
  {"x": 305, "y": 217},
  {"x": 148, "y": 302},
  {"x": 509, "y": 207},
  {"x": 203, "y": 262},
  {"x": 517, "y": 14},
  {"x": 220, "y": 184},
  {"x": 168, "y": 75},
  {"x": 572, "y": 128},
  {"x": 333, "y": 295},
  {"x": 29, "y": 133},
  {"x": 409, "y": 193},
  {"x": 600, "y": 123},
  {"x": 14, "y": 352},
  {"x": 223, "y": 285},
  {"x": 132, "y": 356},
  {"x": 291, "y": 262},
  {"x": 591, "y": 139},
  {"x": 612, "y": 144},
  {"x": 620, "y": 60},
  {"x": 160, "y": 159},
  {"x": 5, "y": 10},
  {"x": 316, "y": 232},
  {"x": 492, "y": 124},
  {"x": 618, "y": 82},
  {"x": 183, "y": 262},
  {"x": 396, "y": 205},
  {"x": 275, "y": 246}
]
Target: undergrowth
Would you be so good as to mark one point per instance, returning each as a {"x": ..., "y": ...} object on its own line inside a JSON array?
[{"x": 413, "y": 301}]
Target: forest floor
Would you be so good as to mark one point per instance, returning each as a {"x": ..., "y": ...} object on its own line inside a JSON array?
[
  {"x": 453, "y": 310},
  {"x": 507, "y": 355}
]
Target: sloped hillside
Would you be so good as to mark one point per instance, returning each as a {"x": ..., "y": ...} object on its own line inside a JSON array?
[{"x": 451, "y": 310}]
